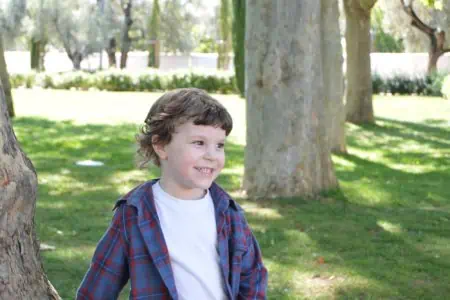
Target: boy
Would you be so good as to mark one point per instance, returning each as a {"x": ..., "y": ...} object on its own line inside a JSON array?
[{"x": 180, "y": 236}]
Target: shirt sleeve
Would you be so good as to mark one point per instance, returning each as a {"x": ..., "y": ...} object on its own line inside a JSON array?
[
  {"x": 253, "y": 281},
  {"x": 108, "y": 271}
]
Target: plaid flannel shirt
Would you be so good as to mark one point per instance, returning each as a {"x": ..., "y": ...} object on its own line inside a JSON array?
[{"x": 133, "y": 247}]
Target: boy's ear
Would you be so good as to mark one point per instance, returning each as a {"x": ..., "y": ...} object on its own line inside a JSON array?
[{"x": 159, "y": 148}]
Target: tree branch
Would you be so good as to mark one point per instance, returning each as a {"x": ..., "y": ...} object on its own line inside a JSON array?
[{"x": 416, "y": 22}]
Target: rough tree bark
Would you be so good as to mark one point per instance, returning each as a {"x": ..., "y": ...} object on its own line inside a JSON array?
[
  {"x": 358, "y": 91},
  {"x": 333, "y": 75},
  {"x": 126, "y": 40},
  {"x": 21, "y": 273},
  {"x": 436, "y": 36},
  {"x": 4, "y": 78},
  {"x": 288, "y": 138}
]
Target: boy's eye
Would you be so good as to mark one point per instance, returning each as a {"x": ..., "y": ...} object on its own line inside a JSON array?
[
  {"x": 200, "y": 143},
  {"x": 221, "y": 145}
]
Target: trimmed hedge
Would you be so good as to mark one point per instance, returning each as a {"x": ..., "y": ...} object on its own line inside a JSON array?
[
  {"x": 213, "y": 82},
  {"x": 429, "y": 85},
  {"x": 126, "y": 81}
]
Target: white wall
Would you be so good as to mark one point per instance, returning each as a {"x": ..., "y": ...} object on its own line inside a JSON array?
[
  {"x": 412, "y": 64},
  {"x": 19, "y": 61},
  {"x": 385, "y": 64}
]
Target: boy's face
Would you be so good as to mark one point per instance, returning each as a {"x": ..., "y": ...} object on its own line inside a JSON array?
[{"x": 192, "y": 160}]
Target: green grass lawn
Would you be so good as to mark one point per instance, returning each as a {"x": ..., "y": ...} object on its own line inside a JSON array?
[{"x": 384, "y": 235}]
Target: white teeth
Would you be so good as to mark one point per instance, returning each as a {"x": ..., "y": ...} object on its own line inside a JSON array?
[{"x": 205, "y": 170}]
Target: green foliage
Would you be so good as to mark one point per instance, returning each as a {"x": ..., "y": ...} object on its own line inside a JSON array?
[
  {"x": 155, "y": 20},
  {"x": 436, "y": 4},
  {"x": 383, "y": 41},
  {"x": 429, "y": 85},
  {"x": 445, "y": 90},
  {"x": 206, "y": 45},
  {"x": 117, "y": 80},
  {"x": 239, "y": 7}
]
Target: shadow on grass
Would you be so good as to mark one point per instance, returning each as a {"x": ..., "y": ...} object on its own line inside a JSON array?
[{"x": 384, "y": 235}]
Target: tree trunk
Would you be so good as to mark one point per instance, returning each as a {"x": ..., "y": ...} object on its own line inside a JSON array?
[
  {"x": 154, "y": 54},
  {"x": 126, "y": 41},
  {"x": 333, "y": 75},
  {"x": 34, "y": 54},
  {"x": 37, "y": 52},
  {"x": 111, "y": 50},
  {"x": 288, "y": 140},
  {"x": 358, "y": 92},
  {"x": 432, "y": 62},
  {"x": 21, "y": 272},
  {"x": 4, "y": 78},
  {"x": 76, "y": 60},
  {"x": 239, "y": 43}
]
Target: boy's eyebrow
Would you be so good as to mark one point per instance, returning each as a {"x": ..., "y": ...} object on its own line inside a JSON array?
[{"x": 204, "y": 137}]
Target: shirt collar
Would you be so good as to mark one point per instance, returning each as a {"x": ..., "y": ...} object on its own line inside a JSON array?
[{"x": 142, "y": 196}]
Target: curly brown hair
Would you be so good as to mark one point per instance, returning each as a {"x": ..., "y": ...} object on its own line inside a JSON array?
[{"x": 173, "y": 109}]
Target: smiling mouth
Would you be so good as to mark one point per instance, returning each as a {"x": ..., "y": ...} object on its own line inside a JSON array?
[{"x": 207, "y": 171}]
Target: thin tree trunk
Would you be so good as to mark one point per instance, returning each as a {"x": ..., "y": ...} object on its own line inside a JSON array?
[
  {"x": 21, "y": 272},
  {"x": 76, "y": 60},
  {"x": 4, "y": 78},
  {"x": 126, "y": 41},
  {"x": 111, "y": 50},
  {"x": 288, "y": 147},
  {"x": 34, "y": 54},
  {"x": 333, "y": 75},
  {"x": 433, "y": 57},
  {"x": 358, "y": 92}
]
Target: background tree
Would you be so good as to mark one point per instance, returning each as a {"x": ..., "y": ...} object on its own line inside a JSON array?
[
  {"x": 21, "y": 272},
  {"x": 225, "y": 44},
  {"x": 383, "y": 40},
  {"x": 177, "y": 18},
  {"x": 358, "y": 91},
  {"x": 436, "y": 35},
  {"x": 127, "y": 6},
  {"x": 11, "y": 15},
  {"x": 154, "y": 27},
  {"x": 110, "y": 24},
  {"x": 288, "y": 143},
  {"x": 38, "y": 30},
  {"x": 77, "y": 29},
  {"x": 239, "y": 13}
]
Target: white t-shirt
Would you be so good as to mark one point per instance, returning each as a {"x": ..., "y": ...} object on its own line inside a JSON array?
[{"x": 189, "y": 228}]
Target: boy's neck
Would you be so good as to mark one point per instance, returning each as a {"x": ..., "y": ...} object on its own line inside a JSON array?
[{"x": 172, "y": 192}]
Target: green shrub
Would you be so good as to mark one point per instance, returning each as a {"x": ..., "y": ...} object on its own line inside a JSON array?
[
  {"x": 378, "y": 86},
  {"x": 428, "y": 85},
  {"x": 119, "y": 80},
  {"x": 27, "y": 80},
  {"x": 445, "y": 90}
]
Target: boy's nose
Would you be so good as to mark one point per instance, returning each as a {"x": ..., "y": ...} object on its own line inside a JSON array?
[{"x": 211, "y": 153}]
